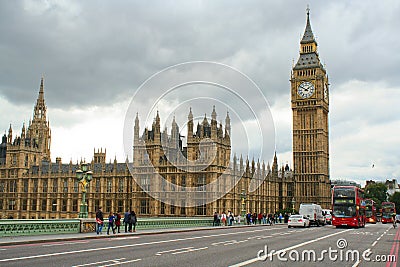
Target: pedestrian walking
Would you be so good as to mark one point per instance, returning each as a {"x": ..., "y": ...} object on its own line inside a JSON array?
[
  {"x": 117, "y": 222},
  {"x": 132, "y": 221},
  {"x": 216, "y": 219},
  {"x": 111, "y": 219},
  {"x": 99, "y": 221},
  {"x": 126, "y": 220}
]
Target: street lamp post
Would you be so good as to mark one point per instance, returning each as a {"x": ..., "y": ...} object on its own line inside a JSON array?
[
  {"x": 293, "y": 202},
  {"x": 84, "y": 177},
  {"x": 243, "y": 197}
]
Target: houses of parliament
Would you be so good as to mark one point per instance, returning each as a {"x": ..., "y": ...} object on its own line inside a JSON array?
[{"x": 164, "y": 172}]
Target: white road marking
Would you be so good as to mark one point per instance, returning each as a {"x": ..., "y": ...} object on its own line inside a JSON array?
[
  {"x": 222, "y": 242},
  {"x": 64, "y": 243},
  {"x": 95, "y": 263},
  {"x": 289, "y": 248},
  {"x": 189, "y": 250},
  {"x": 172, "y": 250},
  {"x": 373, "y": 244},
  {"x": 119, "y": 263}
]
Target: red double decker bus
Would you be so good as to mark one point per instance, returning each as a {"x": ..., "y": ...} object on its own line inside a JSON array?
[
  {"x": 348, "y": 206},
  {"x": 370, "y": 211},
  {"x": 388, "y": 209}
]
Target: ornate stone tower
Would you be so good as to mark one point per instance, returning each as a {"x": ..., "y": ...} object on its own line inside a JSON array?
[
  {"x": 39, "y": 130},
  {"x": 310, "y": 106}
]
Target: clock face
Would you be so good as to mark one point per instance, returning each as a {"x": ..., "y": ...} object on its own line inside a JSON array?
[
  {"x": 326, "y": 92},
  {"x": 305, "y": 89}
]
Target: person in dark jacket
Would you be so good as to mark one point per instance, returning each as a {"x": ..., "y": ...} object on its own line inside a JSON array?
[
  {"x": 132, "y": 221},
  {"x": 126, "y": 220},
  {"x": 99, "y": 221},
  {"x": 111, "y": 219}
]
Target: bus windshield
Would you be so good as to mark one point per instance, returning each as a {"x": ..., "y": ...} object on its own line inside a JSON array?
[{"x": 344, "y": 210}]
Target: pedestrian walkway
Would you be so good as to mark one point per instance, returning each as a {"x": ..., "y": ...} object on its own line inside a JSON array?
[{"x": 27, "y": 239}]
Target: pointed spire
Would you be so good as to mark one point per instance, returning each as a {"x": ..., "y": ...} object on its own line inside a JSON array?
[
  {"x": 10, "y": 134},
  {"x": 308, "y": 35},
  {"x": 214, "y": 114},
  {"x": 190, "y": 116}
]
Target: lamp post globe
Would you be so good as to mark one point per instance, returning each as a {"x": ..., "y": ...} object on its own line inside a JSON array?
[{"x": 84, "y": 177}]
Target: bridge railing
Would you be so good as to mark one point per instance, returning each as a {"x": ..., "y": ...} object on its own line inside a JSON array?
[{"x": 11, "y": 227}]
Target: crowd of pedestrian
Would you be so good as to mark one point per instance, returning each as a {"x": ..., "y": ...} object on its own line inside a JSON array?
[
  {"x": 114, "y": 222},
  {"x": 228, "y": 219}
]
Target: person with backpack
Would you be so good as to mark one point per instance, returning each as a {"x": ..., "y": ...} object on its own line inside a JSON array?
[
  {"x": 111, "y": 219},
  {"x": 132, "y": 221},
  {"x": 99, "y": 221}
]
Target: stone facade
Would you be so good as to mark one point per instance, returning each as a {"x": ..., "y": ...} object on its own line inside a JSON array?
[{"x": 32, "y": 187}]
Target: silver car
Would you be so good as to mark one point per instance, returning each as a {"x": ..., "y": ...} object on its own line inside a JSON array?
[{"x": 298, "y": 221}]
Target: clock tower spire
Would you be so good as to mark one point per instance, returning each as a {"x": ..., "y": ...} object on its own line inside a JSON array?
[{"x": 310, "y": 106}]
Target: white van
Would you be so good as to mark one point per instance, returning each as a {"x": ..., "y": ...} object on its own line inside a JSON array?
[{"x": 313, "y": 212}]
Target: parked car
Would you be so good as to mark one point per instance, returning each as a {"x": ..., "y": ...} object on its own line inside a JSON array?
[
  {"x": 397, "y": 218},
  {"x": 298, "y": 221}
]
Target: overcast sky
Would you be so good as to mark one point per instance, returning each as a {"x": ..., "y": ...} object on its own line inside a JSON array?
[{"x": 94, "y": 55}]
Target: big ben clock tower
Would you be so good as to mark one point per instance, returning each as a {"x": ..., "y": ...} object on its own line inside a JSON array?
[{"x": 310, "y": 106}]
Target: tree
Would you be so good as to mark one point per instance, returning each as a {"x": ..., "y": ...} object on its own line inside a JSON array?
[
  {"x": 377, "y": 192},
  {"x": 395, "y": 198}
]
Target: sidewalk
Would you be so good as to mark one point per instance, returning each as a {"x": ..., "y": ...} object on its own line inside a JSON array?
[{"x": 29, "y": 239}]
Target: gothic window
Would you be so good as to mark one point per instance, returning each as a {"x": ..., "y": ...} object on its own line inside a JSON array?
[
  {"x": 75, "y": 205},
  {"x": 109, "y": 185},
  {"x": 183, "y": 207},
  {"x": 96, "y": 204},
  {"x": 173, "y": 182},
  {"x": 172, "y": 208},
  {"x": 25, "y": 186},
  {"x": 120, "y": 206},
  {"x": 54, "y": 205},
  {"x": 44, "y": 204},
  {"x": 120, "y": 185},
  {"x": 11, "y": 204},
  {"x": 201, "y": 209},
  {"x": 163, "y": 185},
  {"x": 201, "y": 181},
  {"x": 144, "y": 206},
  {"x": 108, "y": 205},
  {"x": 34, "y": 204},
  {"x": 26, "y": 161},
  {"x": 13, "y": 186},
  {"x": 2, "y": 187},
  {"x": 97, "y": 187},
  {"x": 45, "y": 186},
  {"x": 162, "y": 208},
  {"x": 14, "y": 161},
  {"x": 183, "y": 182},
  {"x": 24, "y": 204},
  {"x": 76, "y": 186},
  {"x": 64, "y": 205},
  {"x": 145, "y": 183},
  {"x": 65, "y": 185},
  {"x": 55, "y": 186},
  {"x": 35, "y": 185}
]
